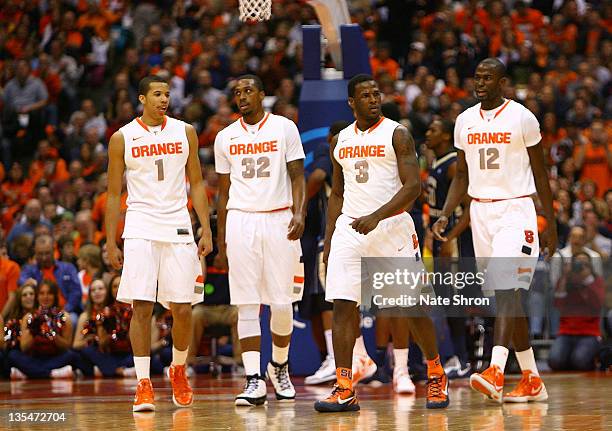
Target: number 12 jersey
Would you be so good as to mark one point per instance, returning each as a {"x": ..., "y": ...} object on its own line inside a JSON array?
[{"x": 495, "y": 144}]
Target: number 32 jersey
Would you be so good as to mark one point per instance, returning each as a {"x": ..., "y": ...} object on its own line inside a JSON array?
[
  {"x": 495, "y": 144},
  {"x": 369, "y": 167},
  {"x": 256, "y": 156},
  {"x": 155, "y": 160}
]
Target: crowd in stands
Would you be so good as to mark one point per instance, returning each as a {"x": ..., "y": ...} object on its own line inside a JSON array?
[{"x": 69, "y": 71}]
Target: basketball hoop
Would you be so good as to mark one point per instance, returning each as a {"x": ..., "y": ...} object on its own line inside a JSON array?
[{"x": 255, "y": 10}]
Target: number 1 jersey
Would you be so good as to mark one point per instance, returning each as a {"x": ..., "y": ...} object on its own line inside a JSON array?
[
  {"x": 256, "y": 156},
  {"x": 155, "y": 159},
  {"x": 495, "y": 144}
]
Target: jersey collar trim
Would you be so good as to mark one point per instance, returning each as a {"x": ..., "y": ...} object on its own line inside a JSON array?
[
  {"x": 371, "y": 129},
  {"x": 244, "y": 126},
  {"x": 498, "y": 112},
  {"x": 144, "y": 126},
  {"x": 443, "y": 159}
]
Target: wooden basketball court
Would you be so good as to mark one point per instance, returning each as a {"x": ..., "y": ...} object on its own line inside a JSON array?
[{"x": 577, "y": 402}]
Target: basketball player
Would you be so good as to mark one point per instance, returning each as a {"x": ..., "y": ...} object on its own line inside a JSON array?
[
  {"x": 261, "y": 212},
  {"x": 439, "y": 138},
  {"x": 161, "y": 259},
  {"x": 498, "y": 159},
  {"x": 375, "y": 180}
]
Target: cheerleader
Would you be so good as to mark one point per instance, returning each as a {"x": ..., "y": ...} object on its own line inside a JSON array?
[
  {"x": 43, "y": 348},
  {"x": 102, "y": 335}
]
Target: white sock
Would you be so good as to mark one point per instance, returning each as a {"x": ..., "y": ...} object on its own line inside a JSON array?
[
  {"x": 526, "y": 360},
  {"x": 401, "y": 358},
  {"x": 280, "y": 355},
  {"x": 329, "y": 343},
  {"x": 142, "y": 365},
  {"x": 499, "y": 356},
  {"x": 251, "y": 361},
  {"x": 360, "y": 348},
  {"x": 179, "y": 357}
]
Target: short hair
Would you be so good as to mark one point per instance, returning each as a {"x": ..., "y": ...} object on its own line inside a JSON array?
[
  {"x": 448, "y": 127},
  {"x": 145, "y": 83},
  {"x": 256, "y": 79},
  {"x": 92, "y": 254},
  {"x": 497, "y": 64},
  {"x": 356, "y": 80},
  {"x": 338, "y": 126}
]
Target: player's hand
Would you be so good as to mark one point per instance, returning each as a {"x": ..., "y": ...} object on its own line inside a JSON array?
[
  {"x": 552, "y": 241},
  {"x": 366, "y": 224},
  {"x": 205, "y": 245},
  {"x": 220, "y": 261},
  {"x": 446, "y": 249},
  {"x": 439, "y": 227},
  {"x": 296, "y": 227},
  {"x": 326, "y": 249},
  {"x": 115, "y": 257}
]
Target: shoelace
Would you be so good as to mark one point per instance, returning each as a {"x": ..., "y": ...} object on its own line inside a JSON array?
[
  {"x": 336, "y": 388},
  {"x": 180, "y": 377},
  {"x": 282, "y": 375},
  {"x": 251, "y": 384},
  {"x": 434, "y": 387},
  {"x": 142, "y": 387}
]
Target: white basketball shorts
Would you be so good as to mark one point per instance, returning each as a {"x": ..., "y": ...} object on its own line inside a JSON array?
[
  {"x": 160, "y": 271},
  {"x": 394, "y": 237},
  {"x": 264, "y": 266},
  {"x": 506, "y": 242}
]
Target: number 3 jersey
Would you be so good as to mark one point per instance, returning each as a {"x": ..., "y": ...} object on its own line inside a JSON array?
[
  {"x": 155, "y": 159},
  {"x": 369, "y": 167},
  {"x": 495, "y": 144},
  {"x": 256, "y": 156}
]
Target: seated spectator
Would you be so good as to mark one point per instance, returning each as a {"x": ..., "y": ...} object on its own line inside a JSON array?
[
  {"x": 45, "y": 339},
  {"x": 579, "y": 296},
  {"x": 64, "y": 274},
  {"x": 104, "y": 354},
  {"x": 25, "y": 303},
  {"x": 33, "y": 216},
  {"x": 9, "y": 274},
  {"x": 90, "y": 267},
  {"x": 576, "y": 244},
  {"x": 65, "y": 249}
]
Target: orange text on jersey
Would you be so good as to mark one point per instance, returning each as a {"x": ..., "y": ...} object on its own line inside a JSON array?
[
  {"x": 489, "y": 138},
  {"x": 259, "y": 147},
  {"x": 362, "y": 151},
  {"x": 157, "y": 149}
]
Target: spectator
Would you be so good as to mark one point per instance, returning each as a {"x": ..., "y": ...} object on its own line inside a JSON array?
[
  {"x": 92, "y": 118},
  {"x": 32, "y": 212},
  {"x": 102, "y": 357},
  {"x": 62, "y": 273},
  {"x": 90, "y": 267},
  {"x": 24, "y": 98},
  {"x": 9, "y": 274},
  {"x": 594, "y": 157},
  {"x": 44, "y": 350},
  {"x": 579, "y": 296}
]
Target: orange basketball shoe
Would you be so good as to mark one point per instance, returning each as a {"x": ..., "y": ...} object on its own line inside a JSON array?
[
  {"x": 340, "y": 400},
  {"x": 529, "y": 388},
  {"x": 490, "y": 383},
  {"x": 182, "y": 395},
  {"x": 144, "y": 400}
]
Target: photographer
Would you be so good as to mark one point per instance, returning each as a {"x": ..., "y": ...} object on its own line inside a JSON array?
[{"x": 579, "y": 298}]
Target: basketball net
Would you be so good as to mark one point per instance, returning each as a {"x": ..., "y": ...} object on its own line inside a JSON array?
[{"x": 255, "y": 10}]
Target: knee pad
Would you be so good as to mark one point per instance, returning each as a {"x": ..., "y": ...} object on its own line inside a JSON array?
[
  {"x": 281, "y": 320},
  {"x": 248, "y": 321}
]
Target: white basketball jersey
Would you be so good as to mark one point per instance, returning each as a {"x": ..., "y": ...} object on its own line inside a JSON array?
[
  {"x": 495, "y": 144},
  {"x": 155, "y": 171},
  {"x": 369, "y": 166},
  {"x": 256, "y": 158}
]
